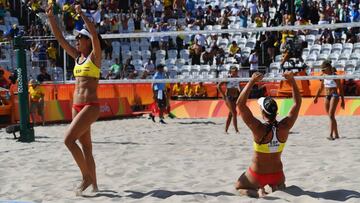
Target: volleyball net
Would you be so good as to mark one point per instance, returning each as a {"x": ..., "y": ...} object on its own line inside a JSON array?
[{"x": 139, "y": 53}]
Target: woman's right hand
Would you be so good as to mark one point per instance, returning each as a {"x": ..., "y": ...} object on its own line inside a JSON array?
[
  {"x": 257, "y": 77},
  {"x": 49, "y": 11}
]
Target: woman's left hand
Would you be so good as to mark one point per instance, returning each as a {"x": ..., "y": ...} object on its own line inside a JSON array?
[
  {"x": 78, "y": 8},
  {"x": 342, "y": 104}
]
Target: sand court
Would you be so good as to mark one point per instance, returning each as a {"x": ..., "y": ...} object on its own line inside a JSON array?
[{"x": 188, "y": 160}]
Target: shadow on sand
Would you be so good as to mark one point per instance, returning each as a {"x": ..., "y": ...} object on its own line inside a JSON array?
[
  {"x": 336, "y": 195},
  {"x": 199, "y": 122},
  {"x": 163, "y": 194},
  {"x": 104, "y": 193}
]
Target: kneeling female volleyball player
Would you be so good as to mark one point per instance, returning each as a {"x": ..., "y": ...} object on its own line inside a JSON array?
[{"x": 269, "y": 140}]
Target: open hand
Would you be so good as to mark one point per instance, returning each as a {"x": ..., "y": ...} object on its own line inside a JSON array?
[
  {"x": 257, "y": 76},
  {"x": 78, "y": 8},
  {"x": 315, "y": 100},
  {"x": 49, "y": 10}
]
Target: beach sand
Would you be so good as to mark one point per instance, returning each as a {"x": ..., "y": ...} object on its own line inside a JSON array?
[{"x": 187, "y": 160}]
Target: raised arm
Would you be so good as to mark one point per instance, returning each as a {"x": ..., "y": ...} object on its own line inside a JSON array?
[
  {"x": 245, "y": 112},
  {"x": 294, "y": 111},
  {"x": 96, "y": 52},
  {"x": 58, "y": 35}
]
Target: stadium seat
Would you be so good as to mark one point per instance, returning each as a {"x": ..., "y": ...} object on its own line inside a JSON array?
[
  {"x": 333, "y": 56},
  {"x": 322, "y": 57},
  {"x": 185, "y": 54},
  {"x": 326, "y": 49},
  {"x": 339, "y": 65},
  {"x": 337, "y": 48},
  {"x": 172, "y": 54}
]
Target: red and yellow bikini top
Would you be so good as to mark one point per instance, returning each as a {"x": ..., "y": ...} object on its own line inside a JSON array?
[
  {"x": 86, "y": 69},
  {"x": 274, "y": 146}
]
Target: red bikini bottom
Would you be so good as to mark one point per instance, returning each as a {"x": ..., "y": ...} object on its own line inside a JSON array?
[
  {"x": 79, "y": 107},
  {"x": 272, "y": 179}
]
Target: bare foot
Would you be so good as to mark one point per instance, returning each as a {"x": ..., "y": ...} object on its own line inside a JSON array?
[
  {"x": 261, "y": 192},
  {"x": 85, "y": 184},
  {"x": 336, "y": 137},
  {"x": 237, "y": 132},
  {"x": 95, "y": 188},
  {"x": 330, "y": 138}
]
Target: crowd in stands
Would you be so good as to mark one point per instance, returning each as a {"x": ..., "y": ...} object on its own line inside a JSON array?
[{"x": 199, "y": 55}]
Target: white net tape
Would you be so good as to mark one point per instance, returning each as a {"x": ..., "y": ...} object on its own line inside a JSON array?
[
  {"x": 215, "y": 80},
  {"x": 239, "y": 30}
]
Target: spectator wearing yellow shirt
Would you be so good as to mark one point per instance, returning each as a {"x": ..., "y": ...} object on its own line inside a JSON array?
[
  {"x": 52, "y": 53},
  {"x": 36, "y": 101},
  {"x": 189, "y": 91},
  {"x": 178, "y": 89},
  {"x": 233, "y": 49},
  {"x": 200, "y": 90},
  {"x": 168, "y": 3},
  {"x": 259, "y": 20}
]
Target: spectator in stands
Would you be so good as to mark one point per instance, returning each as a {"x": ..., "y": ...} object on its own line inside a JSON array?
[
  {"x": 253, "y": 60},
  {"x": 3, "y": 82},
  {"x": 43, "y": 76},
  {"x": 13, "y": 32},
  {"x": 233, "y": 49},
  {"x": 201, "y": 40},
  {"x": 210, "y": 18},
  {"x": 154, "y": 41},
  {"x": 302, "y": 21},
  {"x": 129, "y": 70},
  {"x": 200, "y": 90},
  {"x": 51, "y": 53},
  {"x": 115, "y": 70},
  {"x": 354, "y": 13},
  {"x": 165, "y": 39},
  {"x": 208, "y": 57},
  {"x": 327, "y": 37},
  {"x": 108, "y": 50},
  {"x": 230, "y": 96},
  {"x": 159, "y": 9},
  {"x": 253, "y": 8},
  {"x": 36, "y": 101},
  {"x": 189, "y": 19},
  {"x": 67, "y": 13},
  {"x": 219, "y": 56},
  {"x": 350, "y": 88},
  {"x": 195, "y": 53},
  {"x": 42, "y": 54},
  {"x": 190, "y": 6},
  {"x": 188, "y": 91},
  {"x": 239, "y": 58},
  {"x": 159, "y": 92},
  {"x": 57, "y": 73},
  {"x": 149, "y": 67},
  {"x": 178, "y": 7},
  {"x": 34, "y": 54},
  {"x": 177, "y": 90},
  {"x": 243, "y": 19}
]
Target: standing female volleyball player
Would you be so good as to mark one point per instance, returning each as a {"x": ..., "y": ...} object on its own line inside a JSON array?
[
  {"x": 85, "y": 111},
  {"x": 230, "y": 96},
  {"x": 332, "y": 97},
  {"x": 269, "y": 139}
]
